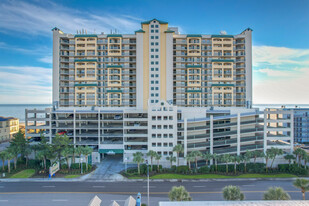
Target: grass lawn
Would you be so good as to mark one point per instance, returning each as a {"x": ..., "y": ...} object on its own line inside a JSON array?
[
  {"x": 210, "y": 176},
  {"x": 24, "y": 174},
  {"x": 71, "y": 176}
]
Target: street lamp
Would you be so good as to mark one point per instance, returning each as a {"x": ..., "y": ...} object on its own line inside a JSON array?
[
  {"x": 125, "y": 163},
  {"x": 147, "y": 182}
]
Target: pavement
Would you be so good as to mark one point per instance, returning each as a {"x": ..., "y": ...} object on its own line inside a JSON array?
[
  {"x": 80, "y": 193},
  {"x": 108, "y": 169}
]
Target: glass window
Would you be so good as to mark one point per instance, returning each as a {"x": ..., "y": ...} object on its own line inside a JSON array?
[
  {"x": 153, "y": 126},
  {"x": 154, "y": 118},
  {"x": 157, "y": 26},
  {"x": 154, "y": 144}
]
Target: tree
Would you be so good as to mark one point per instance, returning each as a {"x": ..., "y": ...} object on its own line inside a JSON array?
[
  {"x": 215, "y": 157},
  {"x": 236, "y": 159},
  {"x": 178, "y": 149},
  {"x": 298, "y": 153},
  {"x": 306, "y": 159},
  {"x": 19, "y": 143},
  {"x": 190, "y": 159},
  {"x": 245, "y": 158},
  {"x": 27, "y": 152},
  {"x": 276, "y": 152},
  {"x": 138, "y": 159},
  {"x": 207, "y": 156},
  {"x": 302, "y": 156},
  {"x": 232, "y": 193},
  {"x": 152, "y": 154},
  {"x": 66, "y": 152},
  {"x": 9, "y": 156},
  {"x": 14, "y": 150},
  {"x": 276, "y": 193},
  {"x": 226, "y": 158},
  {"x": 179, "y": 194},
  {"x": 303, "y": 185},
  {"x": 196, "y": 154},
  {"x": 289, "y": 157},
  {"x": 172, "y": 159},
  {"x": 158, "y": 157},
  {"x": 268, "y": 155},
  {"x": 59, "y": 143},
  {"x": 255, "y": 154},
  {"x": 86, "y": 151},
  {"x": 3, "y": 158},
  {"x": 79, "y": 151}
]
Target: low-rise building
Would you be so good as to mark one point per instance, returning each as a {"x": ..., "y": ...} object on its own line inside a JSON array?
[{"x": 8, "y": 127}]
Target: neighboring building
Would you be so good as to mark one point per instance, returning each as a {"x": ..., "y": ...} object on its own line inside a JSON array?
[
  {"x": 156, "y": 63},
  {"x": 152, "y": 90},
  {"x": 301, "y": 125},
  {"x": 278, "y": 129},
  {"x": 8, "y": 127}
]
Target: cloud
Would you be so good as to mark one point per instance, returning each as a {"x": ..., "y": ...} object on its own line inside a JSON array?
[
  {"x": 277, "y": 73},
  {"x": 46, "y": 59},
  {"x": 30, "y": 18},
  {"x": 25, "y": 84},
  {"x": 271, "y": 55}
]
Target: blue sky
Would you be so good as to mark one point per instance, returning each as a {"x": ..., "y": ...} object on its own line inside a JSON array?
[{"x": 280, "y": 39}]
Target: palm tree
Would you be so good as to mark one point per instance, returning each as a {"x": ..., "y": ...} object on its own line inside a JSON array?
[
  {"x": 215, "y": 157},
  {"x": 245, "y": 159},
  {"x": 226, "y": 158},
  {"x": 276, "y": 193},
  {"x": 303, "y": 185},
  {"x": 179, "y": 194},
  {"x": 196, "y": 154},
  {"x": 14, "y": 150},
  {"x": 232, "y": 193},
  {"x": 268, "y": 155},
  {"x": 172, "y": 159},
  {"x": 87, "y": 151},
  {"x": 178, "y": 149},
  {"x": 190, "y": 159},
  {"x": 27, "y": 152},
  {"x": 79, "y": 151},
  {"x": 276, "y": 152},
  {"x": 255, "y": 154},
  {"x": 206, "y": 157},
  {"x": 152, "y": 154},
  {"x": 138, "y": 159},
  {"x": 289, "y": 157},
  {"x": 298, "y": 153},
  {"x": 3, "y": 158},
  {"x": 158, "y": 157},
  {"x": 236, "y": 159},
  {"x": 9, "y": 157},
  {"x": 302, "y": 155},
  {"x": 66, "y": 153},
  {"x": 306, "y": 159}
]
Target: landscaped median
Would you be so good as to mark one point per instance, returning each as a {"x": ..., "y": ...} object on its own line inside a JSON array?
[
  {"x": 24, "y": 174},
  {"x": 213, "y": 176}
]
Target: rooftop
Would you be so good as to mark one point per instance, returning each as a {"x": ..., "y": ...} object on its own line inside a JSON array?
[{"x": 2, "y": 119}]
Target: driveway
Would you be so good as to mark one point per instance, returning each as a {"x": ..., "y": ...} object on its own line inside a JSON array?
[{"x": 109, "y": 168}]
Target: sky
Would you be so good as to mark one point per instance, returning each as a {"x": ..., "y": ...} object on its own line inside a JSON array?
[{"x": 280, "y": 39}]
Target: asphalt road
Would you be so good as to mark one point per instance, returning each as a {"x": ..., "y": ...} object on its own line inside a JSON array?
[{"x": 80, "y": 193}]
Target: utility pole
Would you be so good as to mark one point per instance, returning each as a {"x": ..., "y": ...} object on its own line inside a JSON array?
[{"x": 147, "y": 182}]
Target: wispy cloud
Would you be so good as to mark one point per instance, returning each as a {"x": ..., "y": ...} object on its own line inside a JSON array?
[
  {"x": 270, "y": 55},
  {"x": 27, "y": 17},
  {"x": 25, "y": 84},
  {"x": 46, "y": 59}
]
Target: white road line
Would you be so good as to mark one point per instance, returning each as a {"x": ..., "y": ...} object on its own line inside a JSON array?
[
  {"x": 98, "y": 186},
  {"x": 149, "y": 186},
  {"x": 248, "y": 185},
  {"x": 199, "y": 186},
  {"x": 49, "y": 186},
  {"x": 59, "y": 200}
]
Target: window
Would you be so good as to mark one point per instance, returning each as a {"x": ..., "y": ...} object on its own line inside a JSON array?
[
  {"x": 157, "y": 88},
  {"x": 171, "y": 126},
  {"x": 152, "y": 94},
  {"x": 165, "y": 135},
  {"x": 165, "y": 117},
  {"x": 152, "y": 31},
  {"x": 152, "y": 101},
  {"x": 159, "y": 117},
  {"x": 156, "y": 43},
  {"x": 157, "y": 94},
  {"x": 152, "y": 75},
  {"x": 152, "y": 43},
  {"x": 152, "y": 88},
  {"x": 157, "y": 75},
  {"x": 152, "y": 69},
  {"x": 157, "y": 26},
  {"x": 157, "y": 30},
  {"x": 165, "y": 153},
  {"x": 157, "y": 82},
  {"x": 153, "y": 126},
  {"x": 152, "y": 26},
  {"x": 170, "y": 117},
  {"x": 157, "y": 37},
  {"x": 152, "y": 37},
  {"x": 171, "y": 135},
  {"x": 165, "y": 126},
  {"x": 159, "y": 126},
  {"x": 157, "y": 50},
  {"x": 159, "y": 144},
  {"x": 159, "y": 135},
  {"x": 157, "y": 101},
  {"x": 152, "y": 82},
  {"x": 154, "y": 144},
  {"x": 153, "y": 135},
  {"x": 165, "y": 144},
  {"x": 152, "y": 56},
  {"x": 154, "y": 118},
  {"x": 157, "y": 69},
  {"x": 152, "y": 50},
  {"x": 170, "y": 144},
  {"x": 152, "y": 62},
  {"x": 170, "y": 153}
]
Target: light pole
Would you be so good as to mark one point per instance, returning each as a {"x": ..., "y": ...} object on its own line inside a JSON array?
[
  {"x": 81, "y": 168},
  {"x": 147, "y": 182},
  {"x": 125, "y": 163}
]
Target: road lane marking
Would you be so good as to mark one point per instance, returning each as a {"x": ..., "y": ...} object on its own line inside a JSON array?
[
  {"x": 149, "y": 186},
  {"x": 125, "y": 193},
  {"x": 49, "y": 186},
  {"x": 56, "y": 200},
  {"x": 199, "y": 186},
  {"x": 98, "y": 186},
  {"x": 248, "y": 185}
]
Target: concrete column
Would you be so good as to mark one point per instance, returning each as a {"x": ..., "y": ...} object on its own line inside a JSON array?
[
  {"x": 265, "y": 131},
  {"x": 99, "y": 128},
  {"x": 185, "y": 135},
  {"x": 50, "y": 125},
  {"x": 74, "y": 127},
  {"x": 292, "y": 131},
  {"x": 26, "y": 122},
  {"x": 211, "y": 136},
  {"x": 238, "y": 133}
]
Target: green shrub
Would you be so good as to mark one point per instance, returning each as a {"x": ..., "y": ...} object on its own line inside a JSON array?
[
  {"x": 36, "y": 164},
  {"x": 75, "y": 166},
  {"x": 204, "y": 170},
  {"x": 293, "y": 169},
  {"x": 155, "y": 168},
  {"x": 182, "y": 169}
]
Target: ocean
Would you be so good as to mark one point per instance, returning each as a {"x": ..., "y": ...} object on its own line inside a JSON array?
[{"x": 18, "y": 110}]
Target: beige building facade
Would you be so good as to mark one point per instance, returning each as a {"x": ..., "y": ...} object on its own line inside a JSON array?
[{"x": 8, "y": 127}]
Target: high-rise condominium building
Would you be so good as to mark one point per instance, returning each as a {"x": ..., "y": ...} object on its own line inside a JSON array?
[
  {"x": 156, "y": 63},
  {"x": 152, "y": 90}
]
